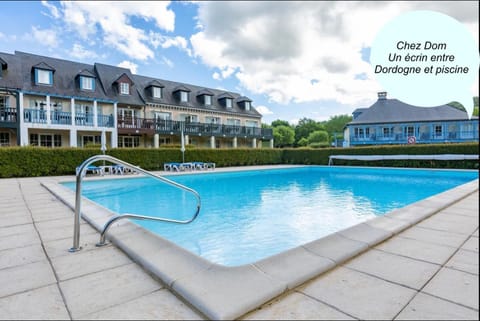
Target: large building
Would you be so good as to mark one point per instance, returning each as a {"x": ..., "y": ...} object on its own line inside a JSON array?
[
  {"x": 52, "y": 102},
  {"x": 390, "y": 121}
]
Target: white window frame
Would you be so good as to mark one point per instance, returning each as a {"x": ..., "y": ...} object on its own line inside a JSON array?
[
  {"x": 157, "y": 92},
  {"x": 213, "y": 120},
  {"x": 247, "y": 105},
  {"x": 228, "y": 102},
  {"x": 124, "y": 88},
  {"x": 44, "y": 77},
  {"x": 233, "y": 122},
  {"x": 183, "y": 96},
  {"x": 160, "y": 115},
  {"x": 207, "y": 100},
  {"x": 46, "y": 139},
  {"x": 251, "y": 123},
  {"x": 86, "y": 83}
]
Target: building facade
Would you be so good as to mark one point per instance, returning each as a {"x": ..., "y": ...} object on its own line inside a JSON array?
[
  {"x": 52, "y": 102},
  {"x": 390, "y": 121}
]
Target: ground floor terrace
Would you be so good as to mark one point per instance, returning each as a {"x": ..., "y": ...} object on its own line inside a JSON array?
[{"x": 417, "y": 263}]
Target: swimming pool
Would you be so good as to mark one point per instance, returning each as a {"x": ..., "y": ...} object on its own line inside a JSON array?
[{"x": 250, "y": 215}]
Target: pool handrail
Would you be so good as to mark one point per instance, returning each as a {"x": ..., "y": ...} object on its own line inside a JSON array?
[{"x": 78, "y": 199}]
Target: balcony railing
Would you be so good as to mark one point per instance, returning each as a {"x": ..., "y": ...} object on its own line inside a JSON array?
[
  {"x": 139, "y": 125},
  {"x": 38, "y": 116},
  {"x": 8, "y": 115},
  {"x": 427, "y": 137},
  {"x": 61, "y": 117}
]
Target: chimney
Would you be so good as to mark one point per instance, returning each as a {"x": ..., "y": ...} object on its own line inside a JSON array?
[{"x": 382, "y": 95}]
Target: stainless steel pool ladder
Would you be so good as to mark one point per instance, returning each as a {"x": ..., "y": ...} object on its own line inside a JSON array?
[{"x": 78, "y": 199}]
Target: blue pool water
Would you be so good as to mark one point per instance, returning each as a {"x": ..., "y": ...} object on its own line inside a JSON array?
[{"x": 250, "y": 215}]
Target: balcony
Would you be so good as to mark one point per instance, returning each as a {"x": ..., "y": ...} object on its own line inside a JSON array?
[
  {"x": 129, "y": 125},
  {"x": 422, "y": 138},
  {"x": 8, "y": 115}
]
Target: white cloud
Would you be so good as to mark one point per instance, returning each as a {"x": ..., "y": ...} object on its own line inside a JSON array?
[
  {"x": 129, "y": 65},
  {"x": 264, "y": 110},
  {"x": 53, "y": 10},
  {"x": 112, "y": 21},
  {"x": 168, "y": 62},
  {"x": 46, "y": 37},
  {"x": 300, "y": 52},
  {"x": 81, "y": 53},
  {"x": 159, "y": 40},
  {"x": 2, "y": 35}
]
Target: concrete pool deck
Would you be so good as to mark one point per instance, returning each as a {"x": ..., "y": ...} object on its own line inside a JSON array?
[{"x": 424, "y": 267}]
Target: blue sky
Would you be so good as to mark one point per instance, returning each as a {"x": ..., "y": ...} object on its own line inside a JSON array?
[{"x": 293, "y": 59}]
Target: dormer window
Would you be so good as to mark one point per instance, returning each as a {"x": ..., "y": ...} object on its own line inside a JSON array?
[
  {"x": 207, "y": 100},
  {"x": 228, "y": 102},
  {"x": 157, "y": 92},
  {"x": 87, "y": 83},
  {"x": 124, "y": 88},
  {"x": 43, "y": 77},
  {"x": 247, "y": 105},
  {"x": 183, "y": 96}
]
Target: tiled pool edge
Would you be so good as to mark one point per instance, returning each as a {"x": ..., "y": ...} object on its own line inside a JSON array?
[{"x": 227, "y": 293}]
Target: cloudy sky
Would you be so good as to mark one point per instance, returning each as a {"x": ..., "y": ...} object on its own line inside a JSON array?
[{"x": 293, "y": 59}]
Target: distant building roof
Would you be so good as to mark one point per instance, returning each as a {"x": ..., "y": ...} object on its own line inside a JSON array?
[{"x": 394, "y": 111}]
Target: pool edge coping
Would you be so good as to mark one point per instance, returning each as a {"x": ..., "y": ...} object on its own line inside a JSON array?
[{"x": 221, "y": 292}]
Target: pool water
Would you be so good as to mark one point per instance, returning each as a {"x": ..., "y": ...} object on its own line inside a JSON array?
[{"x": 250, "y": 215}]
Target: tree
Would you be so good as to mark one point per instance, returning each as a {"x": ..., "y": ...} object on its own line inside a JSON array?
[
  {"x": 279, "y": 122},
  {"x": 283, "y": 136},
  {"x": 306, "y": 126},
  {"x": 337, "y": 123},
  {"x": 318, "y": 136}
]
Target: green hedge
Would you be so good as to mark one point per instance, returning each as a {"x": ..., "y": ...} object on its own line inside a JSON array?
[
  {"x": 38, "y": 161},
  {"x": 320, "y": 156}
]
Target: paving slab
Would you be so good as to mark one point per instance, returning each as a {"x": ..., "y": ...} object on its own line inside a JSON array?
[
  {"x": 25, "y": 277},
  {"x": 471, "y": 244},
  {"x": 18, "y": 240},
  {"x": 44, "y": 303},
  {"x": 427, "y": 307},
  {"x": 86, "y": 262},
  {"x": 456, "y": 286},
  {"x": 359, "y": 295},
  {"x": 296, "y": 306},
  {"x": 395, "y": 268},
  {"x": 463, "y": 260},
  {"x": 429, "y": 252},
  {"x": 434, "y": 236},
  {"x": 61, "y": 247},
  {"x": 21, "y": 255},
  {"x": 451, "y": 223},
  {"x": 17, "y": 229},
  {"x": 159, "y": 305},
  {"x": 98, "y": 291}
]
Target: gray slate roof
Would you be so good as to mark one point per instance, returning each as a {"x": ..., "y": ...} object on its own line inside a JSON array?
[
  {"x": 195, "y": 92},
  {"x": 21, "y": 65},
  {"x": 395, "y": 111},
  {"x": 65, "y": 80}
]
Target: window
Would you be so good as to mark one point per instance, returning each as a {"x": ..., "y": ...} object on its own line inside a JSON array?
[
  {"x": 247, "y": 105},
  {"x": 124, "y": 88},
  {"x": 87, "y": 83},
  {"x": 387, "y": 132},
  {"x": 43, "y": 77},
  {"x": 212, "y": 120},
  {"x": 233, "y": 122},
  {"x": 91, "y": 140},
  {"x": 251, "y": 123},
  {"x": 188, "y": 118},
  {"x": 438, "y": 130},
  {"x": 162, "y": 116},
  {"x": 409, "y": 131},
  {"x": 228, "y": 102},
  {"x": 157, "y": 92},
  {"x": 4, "y": 139},
  {"x": 4, "y": 102},
  {"x": 45, "y": 140},
  {"x": 183, "y": 96},
  {"x": 128, "y": 141},
  {"x": 207, "y": 100}
]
